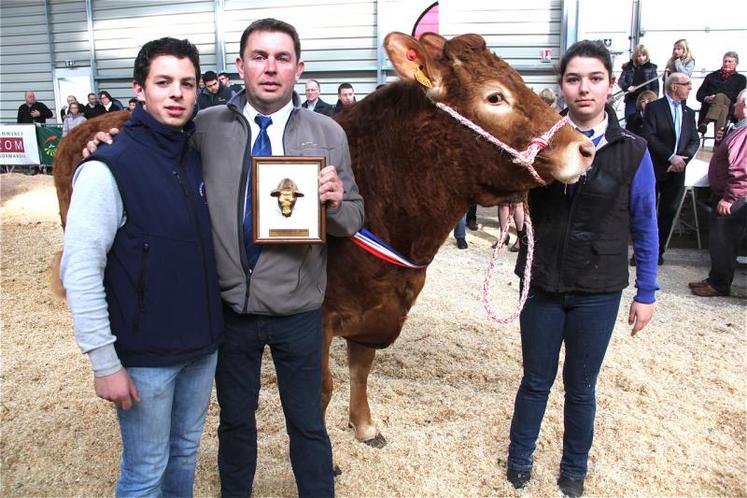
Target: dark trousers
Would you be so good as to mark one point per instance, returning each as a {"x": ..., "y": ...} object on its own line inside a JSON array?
[
  {"x": 725, "y": 235},
  {"x": 670, "y": 190},
  {"x": 296, "y": 345},
  {"x": 584, "y": 322},
  {"x": 472, "y": 213}
]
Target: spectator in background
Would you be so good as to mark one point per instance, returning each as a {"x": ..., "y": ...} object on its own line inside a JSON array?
[
  {"x": 635, "y": 125},
  {"x": 313, "y": 102},
  {"x": 719, "y": 92},
  {"x": 550, "y": 98},
  {"x": 505, "y": 211},
  {"x": 72, "y": 119},
  {"x": 669, "y": 129},
  {"x": 225, "y": 80},
  {"x": 66, "y": 108},
  {"x": 345, "y": 97},
  {"x": 32, "y": 111},
  {"x": 110, "y": 104},
  {"x": 215, "y": 94},
  {"x": 634, "y": 73},
  {"x": 131, "y": 104},
  {"x": 93, "y": 108},
  {"x": 681, "y": 61},
  {"x": 727, "y": 175},
  {"x": 460, "y": 233}
]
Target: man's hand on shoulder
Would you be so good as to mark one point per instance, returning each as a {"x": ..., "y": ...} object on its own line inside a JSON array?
[
  {"x": 100, "y": 137},
  {"x": 117, "y": 388}
]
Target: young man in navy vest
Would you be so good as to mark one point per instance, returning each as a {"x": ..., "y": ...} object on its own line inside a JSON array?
[{"x": 141, "y": 279}]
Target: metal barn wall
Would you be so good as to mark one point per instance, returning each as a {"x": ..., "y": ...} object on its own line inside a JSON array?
[
  {"x": 516, "y": 32},
  {"x": 121, "y": 27},
  {"x": 24, "y": 55},
  {"x": 338, "y": 39}
]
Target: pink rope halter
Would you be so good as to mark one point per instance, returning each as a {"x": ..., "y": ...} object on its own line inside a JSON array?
[
  {"x": 524, "y": 158},
  {"x": 527, "y": 156},
  {"x": 527, "y": 273}
]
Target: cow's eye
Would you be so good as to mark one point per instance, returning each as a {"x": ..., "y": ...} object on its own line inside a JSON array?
[{"x": 496, "y": 98}]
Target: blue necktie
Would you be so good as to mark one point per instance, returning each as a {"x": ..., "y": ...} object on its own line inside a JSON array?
[
  {"x": 261, "y": 147},
  {"x": 677, "y": 124}
]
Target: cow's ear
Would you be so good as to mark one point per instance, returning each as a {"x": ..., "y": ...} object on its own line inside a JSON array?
[
  {"x": 412, "y": 60},
  {"x": 433, "y": 44}
]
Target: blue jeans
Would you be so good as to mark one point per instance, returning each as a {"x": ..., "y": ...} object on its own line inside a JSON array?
[
  {"x": 584, "y": 322},
  {"x": 296, "y": 345},
  {"x": 460, "y": 230},
  {"x": 160, "y": 435}
]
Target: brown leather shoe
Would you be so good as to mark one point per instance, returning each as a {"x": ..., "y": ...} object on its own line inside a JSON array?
[
  {"x": 706, "y": 291},
  {"x": 699, "y": 283}
]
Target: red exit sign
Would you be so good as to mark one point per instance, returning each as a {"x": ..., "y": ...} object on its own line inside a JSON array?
[{"x": 12, "y": 144}]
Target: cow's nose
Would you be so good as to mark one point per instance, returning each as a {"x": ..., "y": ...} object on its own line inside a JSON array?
[{"x": 586, "y": 149}]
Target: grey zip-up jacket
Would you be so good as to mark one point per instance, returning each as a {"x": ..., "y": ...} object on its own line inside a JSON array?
[{"x": 287, "y": 279}]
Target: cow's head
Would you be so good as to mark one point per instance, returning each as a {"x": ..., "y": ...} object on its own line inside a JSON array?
[
  {"x": 287, "y": 193},
  {"x": 463, "y": 74}
]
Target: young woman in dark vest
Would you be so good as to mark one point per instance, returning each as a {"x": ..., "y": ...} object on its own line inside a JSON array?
[{"x": 580, "y": 268}]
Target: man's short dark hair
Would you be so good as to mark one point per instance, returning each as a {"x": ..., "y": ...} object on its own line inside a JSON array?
[
  {"x": 594, "y": 49},
  {"x": 343, "y": 86},
  {"x": 224, "y": 74},
  {"x": 164, "y": 46},
  {"x": 270, "y": 24},
  {"x": 133, "y": 99},
  {"x": 209, "y": 76},
  {"x": 91, "y": 94}
]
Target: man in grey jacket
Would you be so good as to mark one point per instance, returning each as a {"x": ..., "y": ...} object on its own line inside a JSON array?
[{"x": 272, "y": 295}]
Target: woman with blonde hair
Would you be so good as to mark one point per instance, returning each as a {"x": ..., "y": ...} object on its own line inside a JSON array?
[
  {"x": 637, "y": 71},
  {"x": 681, "y": 61}
]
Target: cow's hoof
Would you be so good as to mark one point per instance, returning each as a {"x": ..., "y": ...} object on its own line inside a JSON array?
[
  {"x": 337, "y": 471},
  {"x": 378, "y": 441}
]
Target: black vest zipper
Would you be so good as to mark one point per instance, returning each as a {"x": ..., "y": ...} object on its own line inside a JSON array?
[
  {"x": 195, "y": 221},
  {"x": 141, "y": 285}
]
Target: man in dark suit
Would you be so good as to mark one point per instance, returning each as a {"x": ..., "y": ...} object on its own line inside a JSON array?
[
  {"x": 313, "y": 102},
  {"x": 669, "y": 128}
]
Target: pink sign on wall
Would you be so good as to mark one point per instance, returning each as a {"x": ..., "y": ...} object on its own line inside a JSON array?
[{"x": 428, "y": 21}]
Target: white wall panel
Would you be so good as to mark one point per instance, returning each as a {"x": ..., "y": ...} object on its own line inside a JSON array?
[{"x": 24, "y": 56}]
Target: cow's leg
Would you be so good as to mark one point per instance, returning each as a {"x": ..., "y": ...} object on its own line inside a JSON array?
[
  {"x": 327, "y": 382},
  {"x": 360, "y": 359}
]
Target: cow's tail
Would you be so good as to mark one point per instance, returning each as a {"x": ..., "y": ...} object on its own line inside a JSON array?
[{"x": 55, "y": 283}]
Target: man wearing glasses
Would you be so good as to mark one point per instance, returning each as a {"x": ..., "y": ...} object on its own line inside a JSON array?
[{"x": 669, "y": 128}]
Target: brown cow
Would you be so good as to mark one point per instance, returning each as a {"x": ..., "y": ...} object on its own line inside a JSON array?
[{"x": 418, "y": 171}]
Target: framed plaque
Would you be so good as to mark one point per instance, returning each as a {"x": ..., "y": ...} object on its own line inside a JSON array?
[{"x": 285, "y": 200}]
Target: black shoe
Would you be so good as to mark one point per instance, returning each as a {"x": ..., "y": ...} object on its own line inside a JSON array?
[
  {"x": 633, "y": 262},
  {"x": 661, "y": 260},
  {"x": 518, "y": 478},
  {"x": 571, "y": 487},
  {"x": 461, "y": 243},
  {"x": 472, "y": 224},
  {"x": 702, "y": 128}
]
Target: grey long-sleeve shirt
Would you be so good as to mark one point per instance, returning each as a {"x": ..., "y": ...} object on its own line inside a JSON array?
[{"x": 96, "y": 213}]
